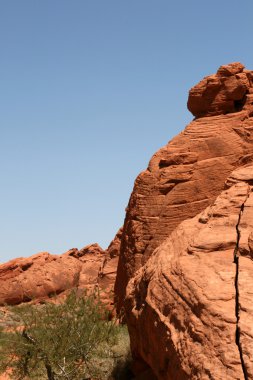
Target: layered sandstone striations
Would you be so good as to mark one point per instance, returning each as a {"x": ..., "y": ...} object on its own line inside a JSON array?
[
  {"x": 187, "y": 242},
  {"x": 190, "y": 308},
  {"x": 186, "y": 175},
  {"x": 43, "y": 275}
]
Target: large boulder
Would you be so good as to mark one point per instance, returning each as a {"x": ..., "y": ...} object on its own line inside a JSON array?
[
  {"x": 221, "y": 93},
  {"x": 189, "y": 309},
  {"x": 187, "y": 174}
]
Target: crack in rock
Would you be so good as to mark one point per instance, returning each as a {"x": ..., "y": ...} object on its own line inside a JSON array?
[{"x": 237, "y": 302}]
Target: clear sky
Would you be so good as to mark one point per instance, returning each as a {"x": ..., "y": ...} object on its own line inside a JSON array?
[{"x": 90, "y": 89}]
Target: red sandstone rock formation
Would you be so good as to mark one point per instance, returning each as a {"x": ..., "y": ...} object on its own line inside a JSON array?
[
  {"x": 221, "y": 93},
  {"x": 186, "y": 175},
  {"x": 44, "y": 275},
  {"x": 40, "y": 275},
  {"x": 108, "y": 270},
  {"x": 190, "y": 308}
]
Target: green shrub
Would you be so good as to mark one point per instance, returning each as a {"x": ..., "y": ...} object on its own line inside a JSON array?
[{"x": 71, "y": 340}]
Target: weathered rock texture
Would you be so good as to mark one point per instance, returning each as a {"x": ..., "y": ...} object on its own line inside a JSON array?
[
  {"x": 44, "y": 275},
  {"x": 40, "y": 275},
  {"x": 107, "y": 274},
  {"x": 190, "y": 308},
  {"x": 221, "y": 93},
  {"x": 186, "y": 175}
]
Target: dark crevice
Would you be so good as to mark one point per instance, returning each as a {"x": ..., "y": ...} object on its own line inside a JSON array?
[
  {"x": 239, "y": 104},
  {"x": 237, "y": 302},
  {"x": 26, "y": 266},
  {"x": 26, "y": 298}
]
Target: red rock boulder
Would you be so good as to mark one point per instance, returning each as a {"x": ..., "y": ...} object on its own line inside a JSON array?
[
  {"x": 189, "y": 309},
  {"x": 221, "y": 93},
  {"x": 187, "y": 174}
]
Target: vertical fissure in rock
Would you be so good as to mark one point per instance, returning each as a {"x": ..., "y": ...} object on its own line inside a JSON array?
[{"x": 237, "y": 302}]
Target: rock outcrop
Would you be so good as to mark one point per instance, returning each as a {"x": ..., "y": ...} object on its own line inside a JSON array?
[
  {"x": 190, "y": 308},
  {"x": 44, "y": 275},
  {"x": 185, "y": 176},
  {"x": 221, "y": 93},
  {"x": 36, "y": 277}
]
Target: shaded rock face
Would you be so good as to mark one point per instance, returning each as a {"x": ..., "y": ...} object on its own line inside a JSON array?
[
  {"x": 186, "y": 175},
  {"x": 189, "y": 309},
  {"x": 43, "y": 275},
  {"x": 108, "y": 271}
]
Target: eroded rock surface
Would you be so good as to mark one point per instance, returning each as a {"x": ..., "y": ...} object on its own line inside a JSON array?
[
  {"x": 40, "y": 275},
  {"x": 108, "y": 270},
  {"x": 189, "y": 309},
  {"x": 186, "y": 175},
  {"x": 44, "y": 275},
  {"x": 221, "y": 93}
]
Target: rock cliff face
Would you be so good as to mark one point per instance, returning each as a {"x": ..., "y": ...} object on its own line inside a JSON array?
[
  {"x": 43, "y": 275},
  {"x": 190, "y": 308},
  {"x": 186, "y": 175},
  {"x": 187, "y": 243}
]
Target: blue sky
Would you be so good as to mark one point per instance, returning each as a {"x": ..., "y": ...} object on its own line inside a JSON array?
[{"x": 90, "y": 89}]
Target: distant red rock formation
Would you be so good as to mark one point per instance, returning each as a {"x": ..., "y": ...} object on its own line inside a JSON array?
[{"x": 44, "y": 275}]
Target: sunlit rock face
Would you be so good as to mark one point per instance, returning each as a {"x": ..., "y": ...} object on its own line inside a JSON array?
[
  {"x": 187, "y": 174},
  {"x": 184, "y": 302},
  {"x": 44, "y": 275},
  {"x": 222, "y": 93},
  {"x": 189, "y": 309}
]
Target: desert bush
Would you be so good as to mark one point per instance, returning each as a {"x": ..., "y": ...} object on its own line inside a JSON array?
[{"x": 70, "y": 340}]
